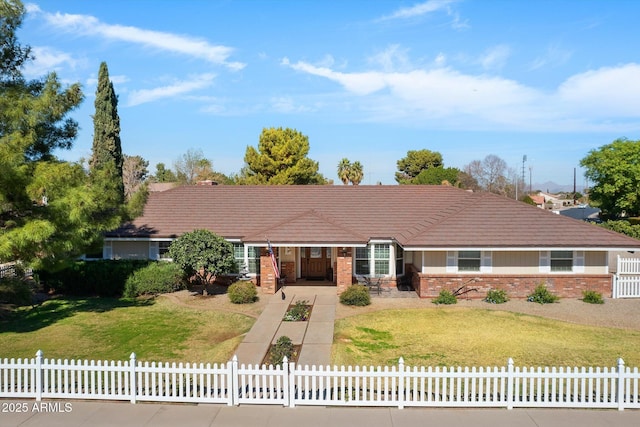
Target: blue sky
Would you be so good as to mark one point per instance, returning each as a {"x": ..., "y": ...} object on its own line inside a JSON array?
[{"x": 365, "y": 80}]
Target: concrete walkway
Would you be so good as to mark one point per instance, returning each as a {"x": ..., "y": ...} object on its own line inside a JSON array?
[
  {"x": 98, "y": 414},
  {"x": 315, "y": 335}
]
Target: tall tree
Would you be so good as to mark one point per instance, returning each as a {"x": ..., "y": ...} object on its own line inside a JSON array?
[
  {"x": 356, "y": 173},
  {"x": 415, "y": 162},
  {"x": 134, "y": 173},
  {"x": 614, "y": 170},
  {"x": 107, "y": 149},
  {"x": 281, "y": 158},
  {"x": 163, "y": 174},
  {"x": 438, "y": 176},
  {"x": 491, "y": 174},
  {"x": 48, "y": 212},
  {"x": 343, "y": 170}
]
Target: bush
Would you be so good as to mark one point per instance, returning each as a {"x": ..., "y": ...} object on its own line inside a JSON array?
[
  {"x": 496, "y": 296},
  {"x": 542, "y": 295},
  {"x": 283, "y": 347},
  {"x": 242, "y": 292},
  {"x": 445, "y": 297},
  {"x": 357, "y": 295},
  {"x": 15, "y": 291},
  {"x": 592, "y": 297},
  {"x": 157, "y": 278},
  {"x": 105, "y": 278}
]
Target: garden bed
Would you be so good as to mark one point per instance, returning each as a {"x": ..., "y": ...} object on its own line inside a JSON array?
[{"x": 300, "y": 311}]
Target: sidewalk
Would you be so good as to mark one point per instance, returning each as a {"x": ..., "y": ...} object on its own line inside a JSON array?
[
  {"x": 315, "y": 335},
  {"x": 97, "y": 414}
]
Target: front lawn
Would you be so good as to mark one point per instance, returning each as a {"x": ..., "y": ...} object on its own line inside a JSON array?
[
  {"x": 110, "y": 329},
  {"x": 473, "y": 337}
]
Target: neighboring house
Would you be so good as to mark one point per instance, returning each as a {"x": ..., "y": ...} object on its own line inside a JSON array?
[
  {"x": 538, "y": 200},
  {"x": 439, "y": 236}
]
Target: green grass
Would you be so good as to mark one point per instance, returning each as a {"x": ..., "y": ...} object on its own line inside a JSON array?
[
  {"x": 471, "y": 337},
  {"x": 110, "y": 329}
]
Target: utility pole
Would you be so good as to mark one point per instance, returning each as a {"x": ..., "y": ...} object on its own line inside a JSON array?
[{"x": 524, "y": 159}]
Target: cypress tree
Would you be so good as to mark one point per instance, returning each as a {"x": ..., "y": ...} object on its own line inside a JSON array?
[{"x": 107, "y": 159}]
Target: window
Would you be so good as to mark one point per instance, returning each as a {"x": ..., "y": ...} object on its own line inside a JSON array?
[
  {"x": 253, "y": 255},
  {"x": 381, "y": 253},
  {"x": 251, "y": 261},
  {"x": 163, "y": 250},
  {"x": 399, "y": 261},
  {"x": 469, "y": 260},
  {"x": 561, "y": 260},
  {"x": 362, "y": 260}
]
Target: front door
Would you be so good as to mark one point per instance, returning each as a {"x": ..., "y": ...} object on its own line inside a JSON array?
[{"x": 315, "y": 262}]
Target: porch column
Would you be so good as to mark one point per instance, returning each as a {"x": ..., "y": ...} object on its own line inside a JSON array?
[
  {"x": 268, "y": 281},
  {"x": 344, "y": 269}
]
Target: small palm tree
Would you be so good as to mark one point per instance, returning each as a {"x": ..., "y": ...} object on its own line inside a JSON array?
[
  {"x": 344, "y": 170},
  {"x": 356, "y": 173}
]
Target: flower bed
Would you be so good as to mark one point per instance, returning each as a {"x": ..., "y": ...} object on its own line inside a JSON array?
[{"x": 298, "y": 312}]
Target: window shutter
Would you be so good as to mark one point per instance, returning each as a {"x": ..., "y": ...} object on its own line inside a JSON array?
[
  {"x": 545, "y": 262},
  {"x": 486, "y": 265},
  {"x": 154, "y": 251},
  {"x": 452, "y": 262},
  {"x": 578, "y": 261}
]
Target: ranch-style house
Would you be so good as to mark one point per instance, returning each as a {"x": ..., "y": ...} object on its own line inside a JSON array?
[{"x": 427, "y": 237}]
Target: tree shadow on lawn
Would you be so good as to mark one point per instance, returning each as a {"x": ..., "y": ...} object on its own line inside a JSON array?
[{"x": 29, "y": 319}]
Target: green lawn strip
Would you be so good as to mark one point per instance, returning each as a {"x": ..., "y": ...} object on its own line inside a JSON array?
[
  {"x": 472, "y": 337},
  {"x": 110, "y": 329}
]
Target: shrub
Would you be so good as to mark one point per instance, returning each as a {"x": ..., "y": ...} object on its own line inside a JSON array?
[
  {"x": 242, "y": 292},
  {"x": 283, "y": 347},
  {"x": 445, "y": 297},
  {"x": 357, "y": 295},
  {"x": 15, "y": 291},
  {"x": 542, "y": 295},
  {"x": 299, "y": 311},
  {"x": 105, "y": 278},
  {"x": 592, "y": 297},
  {"x": 156, "y": 278},
  {"x": 496, "y": 296}
]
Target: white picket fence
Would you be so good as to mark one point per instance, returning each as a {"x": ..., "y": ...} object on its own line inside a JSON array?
[
  {"x": 626, "y": 281},
  {"x": 291, "y": 385}
]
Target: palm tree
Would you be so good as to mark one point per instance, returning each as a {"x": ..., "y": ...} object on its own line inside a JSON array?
[
  {"x": 356, "y": 173},
  {"x": 344, "y": 170}
]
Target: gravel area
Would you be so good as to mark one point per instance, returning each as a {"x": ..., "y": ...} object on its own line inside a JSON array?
[{"x": 614, "y": 313}]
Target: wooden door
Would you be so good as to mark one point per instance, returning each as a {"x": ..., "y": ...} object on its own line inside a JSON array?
[{"x": 315, "y": 262}]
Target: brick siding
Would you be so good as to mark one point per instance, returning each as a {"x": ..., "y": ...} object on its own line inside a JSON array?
[{"x": 564, "y": 286}]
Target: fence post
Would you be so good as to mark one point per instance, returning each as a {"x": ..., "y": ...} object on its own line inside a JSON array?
[
  {"x": 232, "y": 368},
  {"x": 285, "y": 381},
  {"x": 133, "y": 388},
  {"x": 510, "y": 385},
  {"x": 290, "y": 389},
  {"x": 621, "y": 384},
  {"x": 614, "y": 290},
  {"x": 39, "y": 374},
  {"x": 401, "y": 397}
]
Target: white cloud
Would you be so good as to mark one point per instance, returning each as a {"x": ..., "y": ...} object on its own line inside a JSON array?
[
  {"x": 185, "y": 45},
  {"x": 603, "y": 99},
  {"x": 144, "y": 96},
  {"x": 420, "y": 9},
  {"x": 495, "y": 58},
  {"x": 118, "y": 79},
  {"x": 393, "y": 58},
  {"x": 287, "y": 105},
  {"x": 46, "y": 60},
  {"x": 553, "y": 56}
]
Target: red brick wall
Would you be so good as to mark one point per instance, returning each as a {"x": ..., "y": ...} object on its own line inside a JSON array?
[
  {"x": 268, "y": 282},
  {"x": 564, "y": 286},
  {"x": 344, "y": 271}
]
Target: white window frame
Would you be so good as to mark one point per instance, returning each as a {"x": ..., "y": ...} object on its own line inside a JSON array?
[
  {"x": 577, "y": 263},
  {"x": 371, "y": 259},
  {"x": 486, "y": 262}
]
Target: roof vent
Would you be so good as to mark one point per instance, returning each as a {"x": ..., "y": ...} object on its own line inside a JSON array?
[{"x": 207, "y": 182}]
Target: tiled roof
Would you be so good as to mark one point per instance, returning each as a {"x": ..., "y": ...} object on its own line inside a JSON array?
[{"x": 418, "y": 216}]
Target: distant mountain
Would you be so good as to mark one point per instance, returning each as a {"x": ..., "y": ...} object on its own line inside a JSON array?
[{"x": 552, "y": 187}]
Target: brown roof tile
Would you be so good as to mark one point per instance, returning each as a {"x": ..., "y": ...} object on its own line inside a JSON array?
[{"x": 418, "y": 216}]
